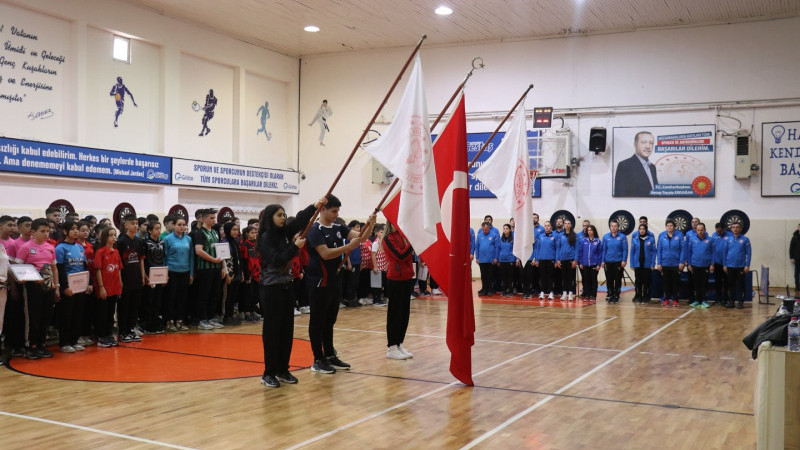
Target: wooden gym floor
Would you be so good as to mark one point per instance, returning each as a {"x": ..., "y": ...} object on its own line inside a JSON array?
[{"x": 601, "y": 376}]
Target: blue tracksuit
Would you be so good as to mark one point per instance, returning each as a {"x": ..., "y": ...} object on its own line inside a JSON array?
[
  {"x": 649, "y": 252},
  {"x": 719, "y": 246},
  {"x": 615, "y": 248},
  {"x": 538, "y": 229},
  {"x": 699, "y": 252},
  {"x": 471, "y": 242},
  {"x": 506, "y": 253},
  {"x": 590, "y": 253},
  {"x": 486, "y": 247},
  {"x": 565, "y": 251},
  {"x": 670, "y": 249},
  {"x": 545, "y": 247},
  {"x": 737, "y": 252}
]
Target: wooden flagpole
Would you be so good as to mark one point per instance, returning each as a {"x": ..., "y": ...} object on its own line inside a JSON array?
[{"x": 366, "y": 130}]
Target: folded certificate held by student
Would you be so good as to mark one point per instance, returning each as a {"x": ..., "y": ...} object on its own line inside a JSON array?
[
  {"x": 158, "y": 275},
  {"x": 78, "y": 282},
  {"x": 223, "y": 250}
]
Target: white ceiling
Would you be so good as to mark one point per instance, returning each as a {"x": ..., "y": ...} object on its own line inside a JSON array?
[{"x": 375, "y": 24}]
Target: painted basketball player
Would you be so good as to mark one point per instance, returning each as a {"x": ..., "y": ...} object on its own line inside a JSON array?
[{"x": 118, "y": 91}]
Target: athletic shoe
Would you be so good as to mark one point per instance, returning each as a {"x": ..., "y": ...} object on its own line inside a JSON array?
[
  {"x": 394, "y": 352},
  {"x": 379, "y": 303},
  {"x": 103, "y": 343},
  {"x": 181, "y": 326},
  {"x": 674, "y": 303},
  {"x": 704, "y": 305},
  {"x": 665, "y": 302},
  {"x": 45, "y": 353},
  {"x": 257, "y": 316},
  {"x": 436, "y": 292},
  {"x": 541, "y": 295},
  {"x": 204, "y": 325},
  {"x": 67, "y": 349},
  {"x": 216, "y": 325},
  {"x": 32, "y": 353},
  {"x": 171, "y": 328},
  {"x": 270, "y": 381},
  {"x": 563, "y": 295},
  {"x": 114, "y": 342},
  {"x": 137, "y": 330},
  {"x": 79, "y": 347},
  {"x": 694, "y": 304},
  {"x": 338, "y": 363},
  {"x": 571, "y": 296},
  {"x": 85, "y": 341},
  {"x": 126, "y": 338},
  {"x": 551, "y": 297},
  {"x": 136, "y": 338},
  {"x": 403, "y": 349},
  {"x": 363, "y": 301},
  {"x": 342, "y": 305},
  {"x": 306, "y": 309},
  {"x": 322, "y": 366},
  {"x": 297, "y": 312},
  {"x": 18, "y": 352},
  {"x": 287, "y": 378}
]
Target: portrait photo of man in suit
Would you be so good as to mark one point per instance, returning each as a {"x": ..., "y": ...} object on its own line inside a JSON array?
[{"x": 636, "y": 176}]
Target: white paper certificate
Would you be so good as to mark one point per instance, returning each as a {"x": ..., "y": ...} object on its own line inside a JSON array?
[
  {"x": 78, "y": 282},
  {"x": 223, "y": 250},
  {"x": 25, "y": 272},
  {"x": 158, "y": 275}
]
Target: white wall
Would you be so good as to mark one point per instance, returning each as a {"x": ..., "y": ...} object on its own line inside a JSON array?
[
  {"x": 172, "y": 63},
  {"x": 704, "y": 65}
]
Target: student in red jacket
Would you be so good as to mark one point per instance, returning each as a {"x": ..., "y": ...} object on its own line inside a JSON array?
[{"x": 399, "y": 284}]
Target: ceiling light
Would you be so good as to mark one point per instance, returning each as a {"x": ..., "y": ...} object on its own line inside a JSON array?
[
  {"x": 311, "y": 28},
  {"x": 443, "y": 11}
]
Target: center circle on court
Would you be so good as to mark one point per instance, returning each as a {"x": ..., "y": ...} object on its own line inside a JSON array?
[{"x": 165, "y": 358}]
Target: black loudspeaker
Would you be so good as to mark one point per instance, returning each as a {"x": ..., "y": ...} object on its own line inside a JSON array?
[{"x": 597, "y": 140}]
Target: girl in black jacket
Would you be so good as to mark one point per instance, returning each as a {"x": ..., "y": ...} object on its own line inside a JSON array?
[{"x": 278, "y": 243}]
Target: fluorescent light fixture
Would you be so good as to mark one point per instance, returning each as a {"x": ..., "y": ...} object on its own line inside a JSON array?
[
  {"x": 311, "y": 28},
  {"x": 122, "y": 49},
  {"x": 443, "y": 11}
]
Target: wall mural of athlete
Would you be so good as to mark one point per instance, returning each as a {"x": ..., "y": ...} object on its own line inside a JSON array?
[
  {"x": 118, "y": 91},
  {"x": 263, "y": 111},
  {"x": 323, "y": 113},
  {"x": 208, "y": 108}
]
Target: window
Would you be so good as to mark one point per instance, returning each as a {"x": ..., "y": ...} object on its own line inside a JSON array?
[{"x": 122, "y": 49}]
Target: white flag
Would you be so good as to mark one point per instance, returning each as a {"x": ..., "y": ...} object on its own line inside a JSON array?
[
  {"x": 507, "y": 174},
  {"x": 405, "y": 149}
]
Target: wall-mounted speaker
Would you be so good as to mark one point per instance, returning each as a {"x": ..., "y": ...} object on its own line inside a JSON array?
[{"x": 597, "y": 140}]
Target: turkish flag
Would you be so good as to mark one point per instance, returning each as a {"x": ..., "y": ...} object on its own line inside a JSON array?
[{"x": 448, "y": 258}]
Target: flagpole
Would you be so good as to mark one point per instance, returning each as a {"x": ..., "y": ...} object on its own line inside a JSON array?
[
  {"x": 366, "y": 130},
  {"x": 486, "y": 144},
  {"x": 435, "y": 122}
]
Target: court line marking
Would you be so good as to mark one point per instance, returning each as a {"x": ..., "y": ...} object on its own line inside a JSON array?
[
  {"x": 427, "y": 394},
  {"x": 94, "y": 430},
  {"x": 591, "y": 372},
  {"x": 495, "y": 341}
]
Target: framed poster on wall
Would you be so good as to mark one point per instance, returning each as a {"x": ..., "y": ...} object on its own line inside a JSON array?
[
  {"x": 780, "y": 159},
  {"x": 664, "y": 161}
]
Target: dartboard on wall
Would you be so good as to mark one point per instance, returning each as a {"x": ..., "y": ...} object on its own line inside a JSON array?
[
  {"x": 625, "y": 220},
  {"x": 179, "y": 210},
  {"x": 224, "y": 214},
  {"x": 735, "y": 216},
  {"x": 122, "y": 210},
  {"x": 64, "y": 206},
  {"x": 682, "y": 218},
  {"x": 562, "y": 214}
]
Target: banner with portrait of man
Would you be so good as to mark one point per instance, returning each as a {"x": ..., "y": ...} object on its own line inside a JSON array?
[{"x": 663, "y": 161}]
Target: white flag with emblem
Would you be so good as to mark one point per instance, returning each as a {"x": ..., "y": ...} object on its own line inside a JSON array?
[
  {"x": 507, "y": 174},
  {"x": 405, "y": 149}
]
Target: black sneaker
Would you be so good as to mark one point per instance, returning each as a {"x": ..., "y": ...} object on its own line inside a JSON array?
[
  {"x": 45, "y": 353},
  {"x": 18, "y": 352},
  {"x": 270, "y": 381},
  {"x": 322, "y": 366},
  {"x": 32, "y": 353},
  {"x": 338, "y": 363},
  {"x": 287, "y": 378}
]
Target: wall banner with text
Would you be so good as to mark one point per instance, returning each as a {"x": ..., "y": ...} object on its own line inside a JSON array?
[
  {"x": 664, "y": 161},
  {"x": 474, "y": 143},
  {"x": 228, "y": 176},
  {"x": 44, "y": 158},
  {"x": 780, "y": 159}
]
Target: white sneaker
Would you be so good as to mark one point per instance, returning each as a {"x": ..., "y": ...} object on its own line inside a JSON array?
[
  {"x": 85, "y": 340},
  {"x": 394, "y": 352},
  {"x": 79, "y": 347},
  {"x": 305, "y": 309},
  {"x": 563, "y": 295},
  {"x": 216, "y": 324},
  {"x": 403, "y": 349},
  {"x": 541, "y": 295},
  {"x": 297, "y": 312},
  {"x": 436, "y": 292},
  {"x": 204, "y": 325},
  {"x": 71, "y": 349},
  {"x": 365, "y": 301},
  {"x": 551, "y": 297},
  {"x": 571, "y": 296}
]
